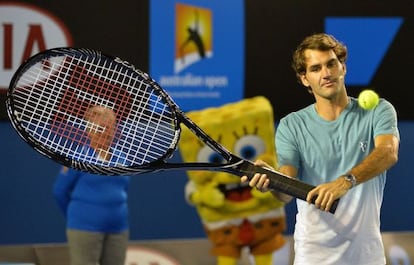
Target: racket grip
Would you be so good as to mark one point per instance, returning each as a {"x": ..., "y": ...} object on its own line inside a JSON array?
[
  {"x": 294, "y": 187},
  {"x": 288, "y": 185}
]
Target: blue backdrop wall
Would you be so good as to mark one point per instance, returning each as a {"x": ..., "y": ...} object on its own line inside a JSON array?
[{"x": 28, "y": 213}]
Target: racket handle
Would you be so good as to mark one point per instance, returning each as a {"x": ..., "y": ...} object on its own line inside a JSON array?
[
  {"x": 285, "y": 184},
  {"x": 294, "y": 187}
]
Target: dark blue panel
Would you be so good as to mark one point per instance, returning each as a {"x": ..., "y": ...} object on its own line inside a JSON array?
[
  {"x": 367, "y": 40},
  {"x": 157, "y": 205}
]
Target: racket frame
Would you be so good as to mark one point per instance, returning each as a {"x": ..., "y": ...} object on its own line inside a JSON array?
[{"x": 235, "y": 165}]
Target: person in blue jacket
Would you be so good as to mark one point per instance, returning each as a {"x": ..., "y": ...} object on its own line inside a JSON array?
[{"x": 95, "y": 206}]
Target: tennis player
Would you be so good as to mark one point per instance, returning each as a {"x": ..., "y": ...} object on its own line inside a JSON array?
[{"x": 342, "y": 149}]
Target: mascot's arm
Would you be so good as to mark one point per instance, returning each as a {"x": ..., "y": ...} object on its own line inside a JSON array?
[{"x": 208, "y": 195}]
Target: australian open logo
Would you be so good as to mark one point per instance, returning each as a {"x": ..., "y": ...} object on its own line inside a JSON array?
[{"x": 193, "y": 35}]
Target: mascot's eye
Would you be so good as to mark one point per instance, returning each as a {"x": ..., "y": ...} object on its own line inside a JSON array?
[
  {"x": 250, "y": 147},
  {"x": 207, "y": 155}
]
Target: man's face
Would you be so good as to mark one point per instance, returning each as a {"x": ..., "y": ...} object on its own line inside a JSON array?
[{"x": 324, "y": 73}]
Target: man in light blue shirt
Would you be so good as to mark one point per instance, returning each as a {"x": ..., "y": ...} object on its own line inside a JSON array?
[{"x": 341, "y": 149}]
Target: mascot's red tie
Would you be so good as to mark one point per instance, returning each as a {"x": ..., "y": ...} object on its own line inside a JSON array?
[{"x": 246, "y": 232}]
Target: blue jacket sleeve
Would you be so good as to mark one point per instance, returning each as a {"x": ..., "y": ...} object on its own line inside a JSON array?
[{"x": 63, "y": 186}]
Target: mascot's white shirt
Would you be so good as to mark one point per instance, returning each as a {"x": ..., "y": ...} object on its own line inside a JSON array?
[{"x": 322, "y": 151}]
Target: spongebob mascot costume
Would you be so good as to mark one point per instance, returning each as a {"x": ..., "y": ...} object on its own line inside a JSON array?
[{"x": 234, "y": 215}]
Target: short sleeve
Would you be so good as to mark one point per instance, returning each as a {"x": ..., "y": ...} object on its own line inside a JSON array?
[
  {"x": 286, "y": 147},
  {"x": 385, "y": 119}
]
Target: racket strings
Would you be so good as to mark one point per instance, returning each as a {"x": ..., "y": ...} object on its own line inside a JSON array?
[
  {"x": 35, "y": 95},
  {"x": 33, "y": 104},
  {"x": 66, "y": 87},
  {"x": 153, "y": 126}
]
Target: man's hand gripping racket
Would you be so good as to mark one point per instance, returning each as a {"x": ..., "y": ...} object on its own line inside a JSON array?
[{"x": 56, "y": 101}]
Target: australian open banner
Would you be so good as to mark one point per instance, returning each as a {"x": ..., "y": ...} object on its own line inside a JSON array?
[{"x": 197, "y": 50}]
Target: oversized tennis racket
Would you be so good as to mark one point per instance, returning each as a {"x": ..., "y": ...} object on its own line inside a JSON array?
[{"x": 62, "y": 102}]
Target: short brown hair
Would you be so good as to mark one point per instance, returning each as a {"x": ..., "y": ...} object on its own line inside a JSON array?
[{"x": 321, "y": 42}]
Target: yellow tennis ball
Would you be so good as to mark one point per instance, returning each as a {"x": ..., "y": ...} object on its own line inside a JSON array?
[{"x": 368, "y": 99}]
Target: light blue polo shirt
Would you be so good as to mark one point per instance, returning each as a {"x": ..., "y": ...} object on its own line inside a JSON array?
[{"x": 322, "y": 151}]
